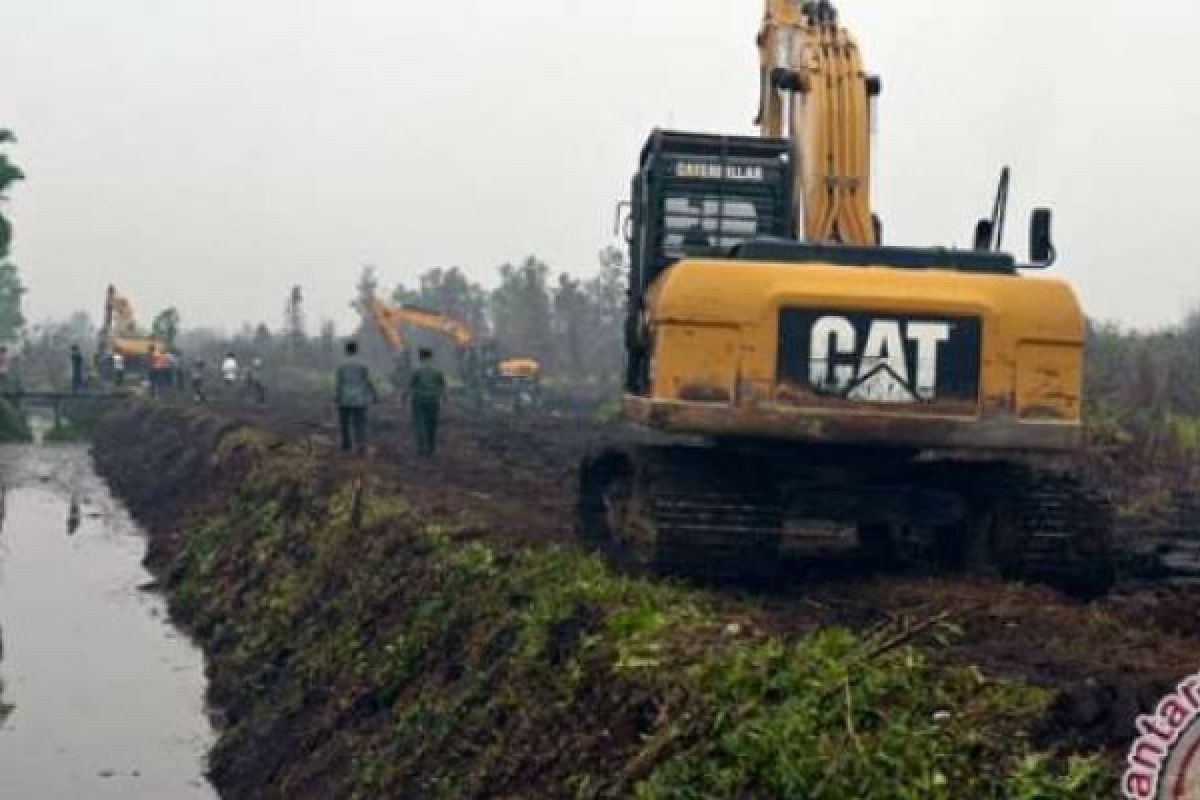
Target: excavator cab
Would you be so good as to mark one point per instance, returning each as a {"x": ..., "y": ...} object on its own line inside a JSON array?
[{"x": 699, "y": 195}]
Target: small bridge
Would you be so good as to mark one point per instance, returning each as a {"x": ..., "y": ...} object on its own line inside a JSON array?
[{"x": 56, "y": 401}]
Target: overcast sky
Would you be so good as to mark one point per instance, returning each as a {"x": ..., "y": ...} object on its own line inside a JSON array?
[{"x": 208, "y": 154}]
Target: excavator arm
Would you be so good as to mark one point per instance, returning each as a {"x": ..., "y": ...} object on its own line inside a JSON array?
[
  {"x": 389, "y": 328},
  {"x": 816, "y": 93},
  {"x": 459, "y": 332},
  {"x": 391, "y": 321},
  {"x": 118, "y": 314}
]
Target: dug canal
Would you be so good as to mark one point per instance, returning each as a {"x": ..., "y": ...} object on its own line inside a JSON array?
[{"x": 107, "y": 697}]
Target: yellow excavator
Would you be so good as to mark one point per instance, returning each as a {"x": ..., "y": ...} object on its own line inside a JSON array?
[
  {"x": 927, "y": 399},
  {"x": 511, "y": 381},
  {"x": 120, "y": 334}
]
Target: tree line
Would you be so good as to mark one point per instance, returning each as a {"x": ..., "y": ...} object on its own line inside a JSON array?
[
  {"x": 11, "y": 290},
  {"x": 1143, "y": 390}
]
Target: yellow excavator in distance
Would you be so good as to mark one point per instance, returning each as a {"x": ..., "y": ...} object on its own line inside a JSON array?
[
  {"x": 512, "y": 381},
  {"x": 928, "y": 399},
  {"x": 120, "y": 334}
]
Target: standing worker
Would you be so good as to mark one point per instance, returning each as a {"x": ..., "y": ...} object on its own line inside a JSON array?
[
  {"x": 254, "y": 381},
  {"x": 229, "y": 370},
  {"x": 156, "y": 365},
  {"x": 354, "y": 394},
  {"x": 198, "y": 394},
  {"x": 76, "y": 369},
  {"x": 118, "y": 369},
  {"x": 426, "y": 391},
  {"x": 173, "y": 378}
]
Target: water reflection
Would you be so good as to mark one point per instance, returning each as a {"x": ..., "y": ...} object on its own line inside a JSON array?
[
  {"x": 108, "y": 697},
  {"x": 74, "y": 516}
]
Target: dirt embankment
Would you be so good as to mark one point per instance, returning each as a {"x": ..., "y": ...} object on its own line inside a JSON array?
[{"x": 387, "y": 629}]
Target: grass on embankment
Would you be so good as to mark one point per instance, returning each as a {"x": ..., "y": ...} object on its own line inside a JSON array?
[
  {"x": 14, "y": 428},
  {"x": 361, "y": 650},
  {"x": 77, "y": 419}
]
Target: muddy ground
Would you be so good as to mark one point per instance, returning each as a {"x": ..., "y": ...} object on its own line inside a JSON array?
[{"x": 512, "y": 477}]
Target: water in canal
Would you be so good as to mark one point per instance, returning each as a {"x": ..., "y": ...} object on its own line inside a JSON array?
[{"x": 108, "y": 698}]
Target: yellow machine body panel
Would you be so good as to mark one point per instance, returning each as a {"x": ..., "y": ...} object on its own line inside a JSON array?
[
  {"x": 858, "y": 361},
  {"x": 520, "y": 368},
  {"x": 130, "y": 346}
]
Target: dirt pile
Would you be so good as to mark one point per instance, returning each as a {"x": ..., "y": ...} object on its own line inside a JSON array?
[{"x": 368, "y": 638}]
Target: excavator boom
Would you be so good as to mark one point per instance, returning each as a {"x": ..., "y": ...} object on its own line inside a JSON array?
[
  {"x": 383, "y": 317},
  {"x": 816, "y": 93},
  {"x": 460, "y": 333},
  {"x": 391, "y": 321}
]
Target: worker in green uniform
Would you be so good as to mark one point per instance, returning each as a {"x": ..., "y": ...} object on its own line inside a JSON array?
[
  {"x": 426, "y": 391},
  {"x": 354, "y": 394}
]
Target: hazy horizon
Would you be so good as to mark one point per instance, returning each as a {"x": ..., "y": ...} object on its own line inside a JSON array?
[{"x": 209, "y": 155}]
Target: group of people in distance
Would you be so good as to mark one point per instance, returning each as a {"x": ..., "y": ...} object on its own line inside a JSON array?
[
  {"x": 163, "y": 372},
  {"x": 233, "y": 376},
  {"x": 354, "y": 388}
]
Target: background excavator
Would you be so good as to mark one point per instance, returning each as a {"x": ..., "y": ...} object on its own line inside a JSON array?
[
  {"x": 512, "y": 382},
  {"x": 120, "y": 334},
  {"x": 928, "y": 399}
]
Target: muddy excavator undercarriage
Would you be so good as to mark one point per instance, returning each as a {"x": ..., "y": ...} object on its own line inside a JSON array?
[{"x": 719, "y": 512}]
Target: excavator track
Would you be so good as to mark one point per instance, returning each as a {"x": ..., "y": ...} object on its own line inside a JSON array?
[
  {"x": 680, "y": 512},
  {"x": 1062, "y": 533},
  {"x": 719, "y": 514},
  {"x": 1166, "y": 553}
]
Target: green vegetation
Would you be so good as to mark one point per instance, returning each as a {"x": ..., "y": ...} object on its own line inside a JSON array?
[
  {"x": 165, "y": 327},
  {"x": 1144, "y": 389},
  {"x": 1144, "y": 418},
  {"x": 78, "y": 419},
  {"x": 13, "y": 426},
  {"x": 404, "y": 658},
  {"x": 11, "y": 291}
]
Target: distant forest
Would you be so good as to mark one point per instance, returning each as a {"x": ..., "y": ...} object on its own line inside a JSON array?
[{"x": 1144, "y": 390}]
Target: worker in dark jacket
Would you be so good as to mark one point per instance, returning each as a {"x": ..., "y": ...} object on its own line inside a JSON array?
[
  {"x": 426, "y": 391},
  {"x": 354, "y": 394},
  {"x": 77, "y": 378}
]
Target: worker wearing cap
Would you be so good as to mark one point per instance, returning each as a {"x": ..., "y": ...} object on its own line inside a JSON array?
[{"x": 426, "y": 391}]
